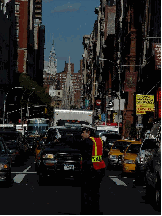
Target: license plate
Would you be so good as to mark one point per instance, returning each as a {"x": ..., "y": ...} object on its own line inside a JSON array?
[{"x": 68, "y": 167}]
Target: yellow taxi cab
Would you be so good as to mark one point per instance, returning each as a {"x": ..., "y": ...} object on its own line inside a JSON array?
[
  {"x": 116, "y": 152},
  {"x": 129, "y": 157}
]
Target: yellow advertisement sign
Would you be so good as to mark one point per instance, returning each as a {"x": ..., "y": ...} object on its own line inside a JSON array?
[
  {"x": 114, "y": 115},
  {"x": 144, "y": 103}
]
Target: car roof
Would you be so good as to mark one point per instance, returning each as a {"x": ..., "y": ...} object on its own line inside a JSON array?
[
  {"x": 55, "y": 127},
  {"x": 135, "y": 142},
  {"x": 121, "y": 140},
  {"x": 4, "y": 132}
]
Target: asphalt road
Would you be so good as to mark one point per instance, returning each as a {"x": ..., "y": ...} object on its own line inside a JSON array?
[{"x": 118, "y": 195}]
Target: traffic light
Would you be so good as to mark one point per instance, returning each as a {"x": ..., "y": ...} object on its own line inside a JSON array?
[{"x": 45, "y": 111}]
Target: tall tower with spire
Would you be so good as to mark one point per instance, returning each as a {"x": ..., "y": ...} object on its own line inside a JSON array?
[
  {"x": 52, "y": 60},
  {"x": 68, "y": 91},
  {"x": 52, "y": 70}
]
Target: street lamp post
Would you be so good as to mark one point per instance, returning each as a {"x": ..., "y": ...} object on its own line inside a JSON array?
[
  {"x": 119, "y": 96},
  {"x": 28, "y": 102},
  {"x": 4, "y": 110},
  {"x": 4, "y": 106}
]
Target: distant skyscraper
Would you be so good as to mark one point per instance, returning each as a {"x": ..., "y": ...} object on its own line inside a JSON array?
[
  {"x": 68, "y": 91},
  {"x": 52, "y": 61}
]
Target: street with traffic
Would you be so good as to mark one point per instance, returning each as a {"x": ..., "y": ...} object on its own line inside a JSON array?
[
  {"x": 45, "y": 177},
  {"x": 118, "y": 195}
]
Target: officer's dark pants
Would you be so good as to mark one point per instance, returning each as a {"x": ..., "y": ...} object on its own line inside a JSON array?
[{"x": 90, "y": 191}]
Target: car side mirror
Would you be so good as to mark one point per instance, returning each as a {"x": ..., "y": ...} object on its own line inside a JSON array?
[{"x": 3, "y": 151}]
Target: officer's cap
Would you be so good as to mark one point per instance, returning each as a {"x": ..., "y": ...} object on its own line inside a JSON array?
[{"x": 88, "y": 128}]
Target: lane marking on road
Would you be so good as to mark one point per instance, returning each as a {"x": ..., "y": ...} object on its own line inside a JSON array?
[
  {"x": 118, "y": 181},
  {"x": 19, "y": 177}
]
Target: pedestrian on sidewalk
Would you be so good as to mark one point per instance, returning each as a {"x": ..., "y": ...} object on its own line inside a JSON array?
[{"x": 93, "y": 170}]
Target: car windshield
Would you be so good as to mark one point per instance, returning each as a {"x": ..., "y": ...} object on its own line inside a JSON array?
[
  {"x": 149, "y": 144},
  {"x": 2, "y": 149},
  {"x": 134, "y": 148},
  {"x": 65, "y": 134},
  {"x": 9, "y": 136},
  {"x": 11, "y": 144},
  {"x": 121, "y": 145},
  {"x": 112, "y": 136},
  {"x": 30, "y": 140}
]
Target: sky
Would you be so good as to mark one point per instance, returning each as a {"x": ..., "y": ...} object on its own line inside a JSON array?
[{"x": 68, "y": 21}]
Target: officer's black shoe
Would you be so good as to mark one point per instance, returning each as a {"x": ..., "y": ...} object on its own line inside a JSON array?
[{"x": 98, "y": 213}]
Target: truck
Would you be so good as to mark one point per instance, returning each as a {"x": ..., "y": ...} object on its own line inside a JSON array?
[
  {"x": 21, "y": 128},
  {"x": 73, "y": 115}
]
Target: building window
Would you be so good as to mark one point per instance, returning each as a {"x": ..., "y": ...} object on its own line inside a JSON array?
[
  {"x": 16, "y": 20},
  {"x": 17, "y": 32},
  {"x": 58, "y": 93},
  {"x": 17, "y": 7}
]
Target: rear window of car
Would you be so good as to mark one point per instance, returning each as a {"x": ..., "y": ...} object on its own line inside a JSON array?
[
  {"x": 112, "y": 136},
  {"x": 121, "y": 145},
  {"x": 64, "y": 132},
  {"x": 148, "y": 144},
  {"x": 9, "y": 136},
  {"x": 134, "y": 148}
]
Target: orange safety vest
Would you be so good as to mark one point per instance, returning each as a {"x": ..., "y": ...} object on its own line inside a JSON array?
[{"x": 97, "y": 152}]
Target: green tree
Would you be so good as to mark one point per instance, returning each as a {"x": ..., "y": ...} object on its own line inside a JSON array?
[{"x": 40, "y": 97}]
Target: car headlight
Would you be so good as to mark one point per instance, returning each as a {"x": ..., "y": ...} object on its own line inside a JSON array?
[
  {"x": 129, "y": 161},
  {"x": 48, "y": 156},
  {"x": 142, "y": 160},
  {"x": 113, "y": 156},
  {"x": 4, "y": 166}
]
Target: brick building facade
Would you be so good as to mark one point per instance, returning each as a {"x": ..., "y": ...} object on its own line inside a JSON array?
[{"x": 76, "y": 80}]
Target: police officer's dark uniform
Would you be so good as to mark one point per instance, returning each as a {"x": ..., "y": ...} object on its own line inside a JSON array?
[{"x": 93, "y": 170}]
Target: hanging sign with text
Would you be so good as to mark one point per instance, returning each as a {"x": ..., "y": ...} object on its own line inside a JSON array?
[
  {"x": 159, "y": 102},
  {"x": 144, "y": 103},
  {"x": 157, "y": 54}
]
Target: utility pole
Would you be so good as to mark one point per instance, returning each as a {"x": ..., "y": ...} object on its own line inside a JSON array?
[
  {"x": 119, "y": 58},
  {"x": 4, "y": 110}
]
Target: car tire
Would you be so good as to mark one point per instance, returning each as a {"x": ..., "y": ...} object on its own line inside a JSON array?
[
  {"x": 8, "y": 181},
  {"x": 77, "y": 179},
  {"x": 42, "y": 180},
  {"x": 148, "y": 193},
  {"x": 36, "y": 167},
  {"x": 109, "y": 166},
  {"x": 157, "y": 194},
  {"x": 139, "y": 178}
]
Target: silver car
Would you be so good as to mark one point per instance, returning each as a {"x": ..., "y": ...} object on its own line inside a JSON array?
[{"x": 144, "y": 154}]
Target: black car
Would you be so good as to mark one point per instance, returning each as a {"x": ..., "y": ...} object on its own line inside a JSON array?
[
  {"x": 146, "y": 149},
  {"x": 5, "y": 163},
  {"x": 14, "y": 142},
  {"x": 61, "y": 156},
  {"x": 153, "y": 179}
]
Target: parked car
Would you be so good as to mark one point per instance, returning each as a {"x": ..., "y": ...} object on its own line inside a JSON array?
[
  {"x": 116, "y": 152},
  {"x": 129, "y": 157},
  {"x": 153, "y": 179},
  {"x": 60, "y": 158},
  {"x": 5, "y": 164},
  {"x": 146, "y": 149},
  {"x": 14, "y": 142}
]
